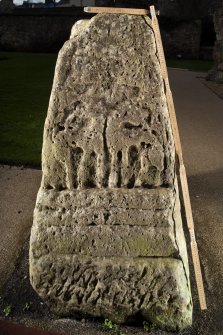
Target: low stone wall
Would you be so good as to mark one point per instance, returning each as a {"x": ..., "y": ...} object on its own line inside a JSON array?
[
  {"x": 45, "y": 30},
  {"x": 37, "y": 31}
]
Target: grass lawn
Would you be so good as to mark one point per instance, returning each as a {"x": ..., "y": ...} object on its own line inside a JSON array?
[
  {"x": 192, "y": 65},
  {"x": 25, "y": 85}
]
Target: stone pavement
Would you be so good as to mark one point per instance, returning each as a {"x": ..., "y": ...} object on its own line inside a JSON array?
[
  {"x": 17, "y": 199},
  {"x": 200, "y": 119}
]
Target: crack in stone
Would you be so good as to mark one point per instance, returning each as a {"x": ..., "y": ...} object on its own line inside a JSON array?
[{"x": 106, "y": 154}]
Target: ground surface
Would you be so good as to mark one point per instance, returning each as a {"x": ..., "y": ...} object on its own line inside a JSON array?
[
  {"x": 200, "y": 118},
  {"x": 17, "y": 199}
]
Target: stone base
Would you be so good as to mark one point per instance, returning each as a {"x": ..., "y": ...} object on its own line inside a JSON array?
[
  {"x": 75, "y": 264},
  {"x": 117, "y": 288},
  {"x": 104, "y": 223}
]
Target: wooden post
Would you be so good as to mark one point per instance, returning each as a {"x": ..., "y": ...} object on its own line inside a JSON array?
[
  {"x": 116, "y": 10},
  {"x": 182, "y": 170}
]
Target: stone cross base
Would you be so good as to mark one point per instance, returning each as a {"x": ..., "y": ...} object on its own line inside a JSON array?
[{"x": 107, "y": 238}]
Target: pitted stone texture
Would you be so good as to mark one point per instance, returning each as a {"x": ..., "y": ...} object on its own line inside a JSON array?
[
  {"x": 135, "y": 207},
  {"x": 105, "y": 223},
  {"x": 155, "y": 288},
  {"x": 108, "y": 123},
  {"x": 107, "y": 237}
]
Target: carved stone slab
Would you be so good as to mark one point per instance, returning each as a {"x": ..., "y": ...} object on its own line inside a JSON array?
[{"x": 107, "y": 236}]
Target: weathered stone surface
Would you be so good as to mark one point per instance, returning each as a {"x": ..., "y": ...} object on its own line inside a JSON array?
[
  {"x": 107, "y": 237},
  {"x": 117, "y": 288},
  {"x": 131, "y": 222}
]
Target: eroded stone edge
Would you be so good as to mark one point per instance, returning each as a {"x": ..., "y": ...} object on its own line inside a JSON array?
[
  {"x": 165, "y": 300},
  {"x": 179, "y": 233}
]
